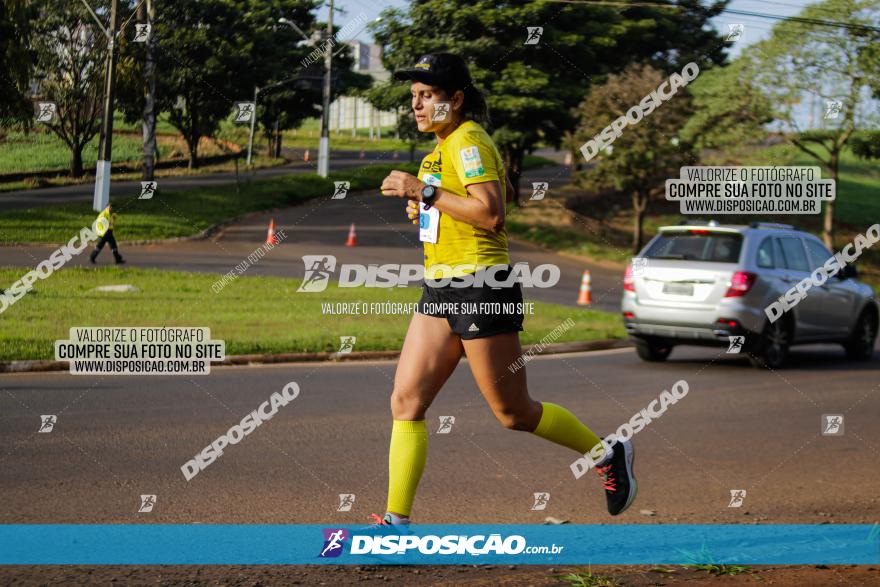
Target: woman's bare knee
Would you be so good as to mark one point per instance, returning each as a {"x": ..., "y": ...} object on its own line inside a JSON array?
[
  {"x": 407, "y": 405},
  {"x": 524, "y": 418}
]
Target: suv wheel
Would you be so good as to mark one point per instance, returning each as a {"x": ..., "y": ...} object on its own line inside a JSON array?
[
  {"x": 860, "y": 345},
  {"x": 652, "y": 351},
  {"x": 772, "y": 350}
]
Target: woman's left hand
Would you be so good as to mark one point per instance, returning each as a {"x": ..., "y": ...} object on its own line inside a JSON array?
[{"x": 402, "y": 185}]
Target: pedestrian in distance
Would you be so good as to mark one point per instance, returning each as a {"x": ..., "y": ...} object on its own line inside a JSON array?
[{"x": 104, "y": 229}]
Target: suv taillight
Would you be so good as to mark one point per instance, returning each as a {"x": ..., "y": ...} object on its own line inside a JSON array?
[
  {"x": 740, "y": 284},
  {"x": 628, "y": 284}
]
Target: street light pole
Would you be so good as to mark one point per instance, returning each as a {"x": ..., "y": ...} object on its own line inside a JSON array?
[
  {"x": 253, "y": 121},
  {"x": 324, "y": 145},
  {"x": 105, "y": 156}
]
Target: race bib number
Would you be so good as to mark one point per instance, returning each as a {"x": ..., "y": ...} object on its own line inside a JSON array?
[
  {"x": 429, "y": 222},
  {"x": 470, "y": 160}
]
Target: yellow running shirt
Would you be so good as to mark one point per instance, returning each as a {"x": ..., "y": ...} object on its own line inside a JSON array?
[{"x": 467, "y": 156}]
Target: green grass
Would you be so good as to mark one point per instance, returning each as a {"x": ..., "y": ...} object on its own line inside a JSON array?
[
  {"x": 278, "y": 320},
  {"x": 184, "y": 212},
  {"x": 43, "y": 151},
  {"x": 258, "y": 162},
  {"x": 573, "y": 242},
  {"x": 720, "y": 569}
]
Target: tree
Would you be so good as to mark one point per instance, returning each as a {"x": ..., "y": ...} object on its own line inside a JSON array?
[
  {"x": 16, "y": 61},
  {"x": 866, "y": 144},
  {"x": 213, "y": 53},
  {"x": 826, "y": 63},
  {"x": 533, "y": 89},
  {"x": 730, "y": 113},
  {"x": 646, "y": 153},
  {"x": 70, "y": 56}
]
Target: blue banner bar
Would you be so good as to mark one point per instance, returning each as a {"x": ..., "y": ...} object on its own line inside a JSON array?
[{"x": 678, "y": 544}]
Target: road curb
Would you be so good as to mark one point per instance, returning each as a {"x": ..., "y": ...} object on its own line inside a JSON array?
[{"x": 36, "y": 366}]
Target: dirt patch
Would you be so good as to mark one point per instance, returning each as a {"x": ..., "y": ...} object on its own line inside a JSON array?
[{"x": 476, "y": 575}]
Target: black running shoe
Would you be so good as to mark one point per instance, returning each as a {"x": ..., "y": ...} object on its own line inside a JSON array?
[{"x": 617, "y": 477}]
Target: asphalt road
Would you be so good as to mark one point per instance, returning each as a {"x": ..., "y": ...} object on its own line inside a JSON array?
[
  {"x": 384, "y": 235},
  {"x": 119, "y": 437},
  {"x": 85, "y": 192}
]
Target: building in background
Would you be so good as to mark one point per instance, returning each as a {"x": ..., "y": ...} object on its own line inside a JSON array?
[{"x": 351, "y": 113}]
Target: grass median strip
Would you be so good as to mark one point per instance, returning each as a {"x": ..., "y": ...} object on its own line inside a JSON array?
[
  {"x": 176, "y": 213},
  {"x": 252, "y": 314}
]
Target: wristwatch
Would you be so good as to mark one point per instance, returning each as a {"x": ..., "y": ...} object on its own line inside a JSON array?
[{"x": 429, "y": 194}]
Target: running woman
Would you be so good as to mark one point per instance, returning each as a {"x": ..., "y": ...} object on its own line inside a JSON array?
[{"x": 459, "y": 203}]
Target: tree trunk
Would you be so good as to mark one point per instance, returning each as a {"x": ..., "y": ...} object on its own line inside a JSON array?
[
  {"x": 640, "y": 204},
  {"x": 192, "y": 144},
  {"x": 828, "y": 220},
  {"x": 278, "y": 141},
  {"x": 76, "y": 161},
  {"x": 513, "y": 158}
]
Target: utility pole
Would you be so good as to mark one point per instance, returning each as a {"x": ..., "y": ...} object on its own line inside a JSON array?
[
  {"x": 324, "y": 145},
  {"x": 105, "y": 157},
  {"x": 253, "y": 121},
  {"x": 147, "y": 14}
]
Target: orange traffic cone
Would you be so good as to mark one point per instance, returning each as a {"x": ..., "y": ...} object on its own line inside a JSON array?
[
  {"x": 586, "y": 296},
  {"x": 306, "y": 155},
  {"x": 352, "y": 237},
  {"x": 270, "y": 236}
]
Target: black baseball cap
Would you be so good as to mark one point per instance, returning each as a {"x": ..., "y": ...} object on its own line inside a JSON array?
[{"x": 445, "y": 70}]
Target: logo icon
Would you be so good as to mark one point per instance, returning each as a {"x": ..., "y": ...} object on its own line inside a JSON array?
[
  {"x": 541, "y": 500},
  {"x": 341, "y": 190},
  {"x": 334, "y": 538},
  {"x": 244, "y": 111},
  {"x": 639, "y": 264},
  {"x": 148, "y": 502},
  {"x": 832, "y": 108},
  {"x": 346, "y": 500},
  {"x": 148, "y": 189},
  {"x": 47, "y": 423},
  {"x": 533, "y": 34},
  {"x": 736, "y": 344},
  {"x": 142, "y": 32},
  {"x": 737, "y": 496},
  {"x": 441, "y": 111},
  {"x": 46, "y": 111},
  {"x": 473, "y": 328},
  {"x": 446, "y": 423},
  {"x": 346, "y": 344},
  {"x": 318, "y": 270},
  {"x": 735, "y": 31},
  {"x": 539, "y": 189},
  {"x": 832, "y": 424}
]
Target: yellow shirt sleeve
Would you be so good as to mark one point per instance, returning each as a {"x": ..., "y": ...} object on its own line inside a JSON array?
[{"x": 473, "y": 159}]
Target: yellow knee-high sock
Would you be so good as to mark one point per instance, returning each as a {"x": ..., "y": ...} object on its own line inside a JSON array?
[
  {"x": 406, "y": 461},
  {"x": 562, "y": 427}
]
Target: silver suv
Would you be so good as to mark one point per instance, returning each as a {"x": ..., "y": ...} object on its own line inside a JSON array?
[{"x": 701, "y": 284}]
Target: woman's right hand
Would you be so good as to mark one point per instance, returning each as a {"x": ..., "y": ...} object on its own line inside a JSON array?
[{"x": 412, "y": 210}]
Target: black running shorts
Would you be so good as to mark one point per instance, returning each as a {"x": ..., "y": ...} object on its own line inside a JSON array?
[{"x": 475, "y": 311}]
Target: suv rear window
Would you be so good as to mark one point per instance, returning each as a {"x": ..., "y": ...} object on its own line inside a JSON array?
[{"x": 702, "y": 245}]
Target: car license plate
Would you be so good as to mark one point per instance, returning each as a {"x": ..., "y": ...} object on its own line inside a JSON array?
[{"x": 678, "y": 289}]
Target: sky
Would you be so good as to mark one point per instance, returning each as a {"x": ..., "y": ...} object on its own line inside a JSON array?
[{"x": 755, "y": 29}]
